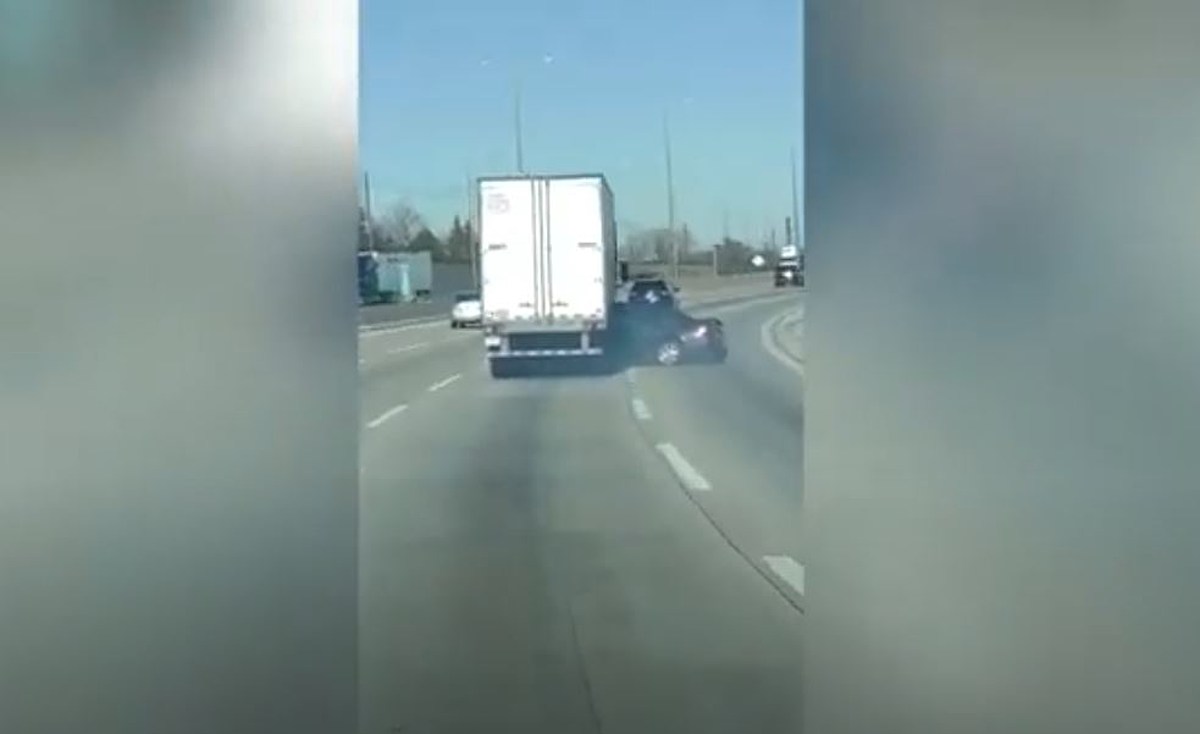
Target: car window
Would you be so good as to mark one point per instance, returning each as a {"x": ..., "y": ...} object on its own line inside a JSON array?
[
  {"x": 647, "y": 285},
  {"x": 651, "y": 291}
]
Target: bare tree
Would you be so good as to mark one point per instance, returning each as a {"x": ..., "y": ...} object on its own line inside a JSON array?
[
  {"x": 400, "y": 224},
  {"x": 649, "y": 245},
  {"x": 637, "y": 246}
]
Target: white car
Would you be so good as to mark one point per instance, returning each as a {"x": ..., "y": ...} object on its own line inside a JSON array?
[{"x": 467, "y": 311}]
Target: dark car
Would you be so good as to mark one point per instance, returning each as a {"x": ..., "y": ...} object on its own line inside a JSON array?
[
  {"x": 651, "y": 291},
  {"x": 660, "y": 332}
]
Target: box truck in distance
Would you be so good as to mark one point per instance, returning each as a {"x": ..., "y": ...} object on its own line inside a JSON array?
[{"x": 548, "y": 268}]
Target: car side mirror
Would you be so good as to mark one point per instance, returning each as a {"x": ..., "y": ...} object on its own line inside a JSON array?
[{"x": 674, "y": 288}]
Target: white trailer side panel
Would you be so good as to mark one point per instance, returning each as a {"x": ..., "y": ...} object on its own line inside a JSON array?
[
  {"x": 508, "y": 241},
  {"x": 581, "y": 263}
]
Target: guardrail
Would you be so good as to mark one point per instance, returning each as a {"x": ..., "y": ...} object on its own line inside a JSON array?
[{"x": 439, "y": 305}]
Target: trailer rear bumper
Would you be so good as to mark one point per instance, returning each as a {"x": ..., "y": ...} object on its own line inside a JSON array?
[
  {"x": 541, "y": 344},
  {"x": 541, "y": 353}
]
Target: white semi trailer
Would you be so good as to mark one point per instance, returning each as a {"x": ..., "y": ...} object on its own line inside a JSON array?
[{"x": 549, "y": 272}]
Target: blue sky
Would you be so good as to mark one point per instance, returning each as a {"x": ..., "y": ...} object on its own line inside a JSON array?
[{"x": 437, "y": 84}]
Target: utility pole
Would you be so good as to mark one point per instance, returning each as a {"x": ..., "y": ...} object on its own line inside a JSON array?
[
  {"x": 716, "y": 250},
  {"x": 670, "y": 198},
  {"x": 367, "y": 211},
  {"x": 795, "y": 200}
]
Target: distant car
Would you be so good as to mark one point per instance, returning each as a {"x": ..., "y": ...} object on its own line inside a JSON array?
[
  {"x": 789, "y": 275},
  {"x": 662, "y": 333},
  {"x": 467, "y": 310}
]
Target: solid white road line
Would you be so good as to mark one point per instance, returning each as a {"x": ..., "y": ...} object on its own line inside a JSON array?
[
  {"x": 786, "y": 568},
  {"x": 383, "y": 331},
  {"x": 389, "y": 414},
  {"x": 687, "y": 474},
  {"x": 641, "y": 411},
  {"x": 408, "y": 348},
  {"x": 442, "y": 383}
]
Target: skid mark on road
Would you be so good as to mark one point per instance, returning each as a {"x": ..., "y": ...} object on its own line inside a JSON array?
[{"x": 782, "y": 573}]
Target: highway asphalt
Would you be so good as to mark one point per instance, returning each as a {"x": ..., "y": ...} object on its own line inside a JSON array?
[{"x": 613, "y": 553}]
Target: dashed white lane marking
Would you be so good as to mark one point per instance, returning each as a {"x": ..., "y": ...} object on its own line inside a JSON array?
[
  {"x": 442, "y": 383},
  {"x": 408, "y": 348},
  {"x": 786, "y": 568},
  {"x": 687, "y": 474},
  {"x": 631, "y": 376},
  {"x": 389, "y": 414},
  {"x": 767, "y": 337},
  {"x": 641, "y": 411}
]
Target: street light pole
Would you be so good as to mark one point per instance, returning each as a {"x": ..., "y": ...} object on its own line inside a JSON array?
[
  {"x": 517, "y": 132},
  {"x": 367, "y": 211},
  {"x": 670, "y": 197},
  {"x": 795, "y": 202}
]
